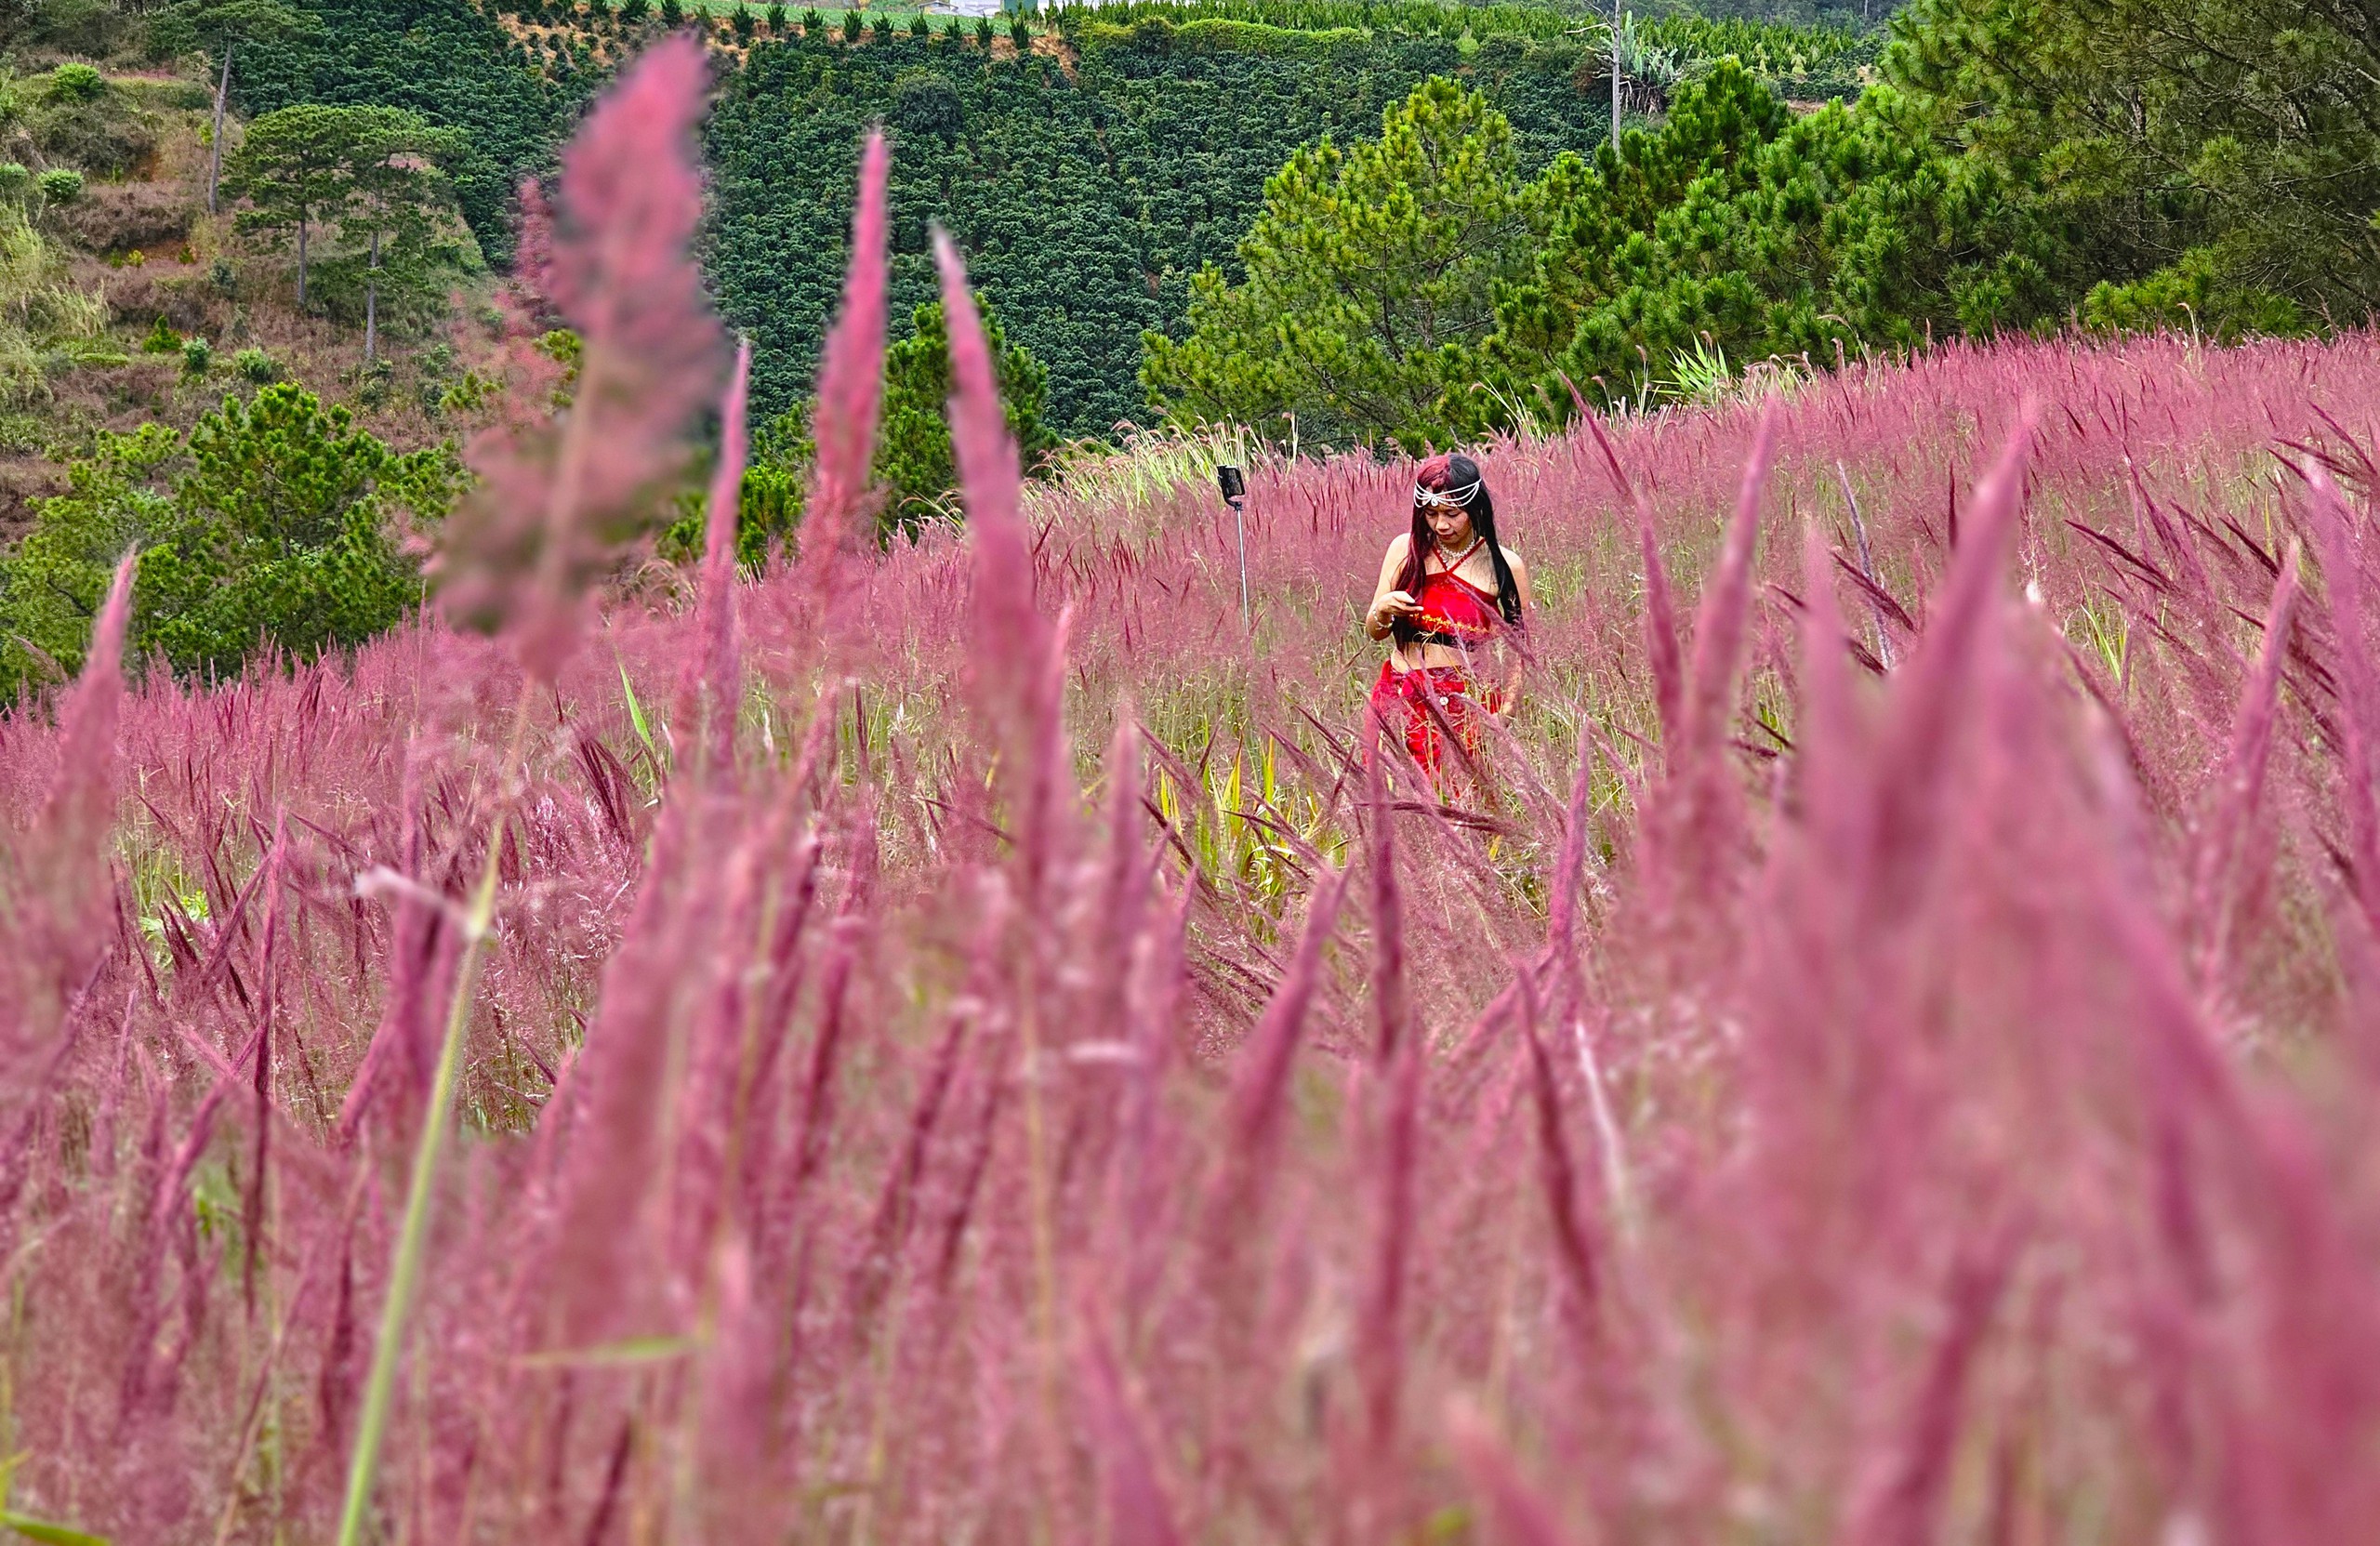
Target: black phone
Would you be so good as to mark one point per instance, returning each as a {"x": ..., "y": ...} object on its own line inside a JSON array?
[{"x": 1235, "y": 488}]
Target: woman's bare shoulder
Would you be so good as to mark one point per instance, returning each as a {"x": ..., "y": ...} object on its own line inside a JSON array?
[
  {"x": 1519, "y": 565},
  {"x": 1399, "y": 545}
]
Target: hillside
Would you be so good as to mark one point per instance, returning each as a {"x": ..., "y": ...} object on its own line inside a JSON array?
[
  {"x": 1087, "y": 188},
  {"x": 116, "y": 284},
  {"x": 1091, "y": 180}
]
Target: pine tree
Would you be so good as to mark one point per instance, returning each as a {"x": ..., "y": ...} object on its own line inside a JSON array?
[{"x": 1372, "y": 285}]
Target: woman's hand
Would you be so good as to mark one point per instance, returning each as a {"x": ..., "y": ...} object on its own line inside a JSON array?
[{"x": 1387, "y": 609}]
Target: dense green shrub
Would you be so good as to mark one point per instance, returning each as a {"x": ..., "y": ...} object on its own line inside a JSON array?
[
  {"x": 1372, "y": 280},
  {"x": 1736, "y": 230},
  {"x": 271, "y": 523},
  {"x": 198, "y": 356},
  {"x": 60, "y": 185},
  {"x": 913, "y": 453},
  {"x": 93, "y": 28},
  {"x": 254, "y": 364},
  {"x": 2216, "y": 157},
  {"x": 84, "y": 119},
  {"x": 1739, "y": 226},
  {"x": 76, "y": 82}
]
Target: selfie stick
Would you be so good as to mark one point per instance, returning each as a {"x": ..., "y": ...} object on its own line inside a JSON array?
[{"x": 1236, "y": 495}]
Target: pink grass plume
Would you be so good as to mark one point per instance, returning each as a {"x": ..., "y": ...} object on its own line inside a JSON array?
[
  {"x": 1260, "y": 1084},
  {"x": 1721, "y": 621},
  {"x": 557, "y": 497},
  {"x": 1902, "y": 1509},
  {"x": 1660, "y": 609},
  {"x": 1518, "y": 1514},
  {"x": 721, "y": 669},
  {"x": 533, "y": 248},
  {"x": 2242, "y": 780},
  {"x": 1139, "y": 1513},
  {"x": 1573, "y": 1247},
  {"x": 1930, "y": 696},
  {"x": 1014, "y": 634},
  {"x": 851, "y": 385},
  {"x": 2358, "y": 691},
  {"x": 1391, "y": 1013},
  {"x": 63, "y": 867}
]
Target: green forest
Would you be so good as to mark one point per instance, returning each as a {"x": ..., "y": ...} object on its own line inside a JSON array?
[
  {"x": 1090, "y": 177},
  {"x": 1372, "y": 222}
]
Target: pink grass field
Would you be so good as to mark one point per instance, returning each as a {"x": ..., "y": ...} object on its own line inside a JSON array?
[{"x": 968, "y": 1045}]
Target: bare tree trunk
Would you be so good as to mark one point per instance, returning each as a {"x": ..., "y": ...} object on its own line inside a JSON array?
[
  {"x": 372, "y": 305},
  {"x": 1617, "y": 22},
  {"x": 215, "y": 162},
  {"x": 301, "y": 260}
]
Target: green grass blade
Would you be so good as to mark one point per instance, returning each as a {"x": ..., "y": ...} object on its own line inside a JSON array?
[
  {"x": 404, "y": 1274},
  {"x": 52, "y": 1535}
]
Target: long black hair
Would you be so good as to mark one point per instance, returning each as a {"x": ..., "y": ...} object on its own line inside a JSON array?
[{"x": 1453, "y": 473}]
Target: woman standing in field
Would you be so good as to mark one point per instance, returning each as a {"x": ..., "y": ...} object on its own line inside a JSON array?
[{"x": 1454, "y": 602}]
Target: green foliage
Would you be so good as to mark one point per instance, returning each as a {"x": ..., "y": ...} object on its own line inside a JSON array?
[
  {"x": 1400, "y": 17},
  {"x": 81, "y": 117},
  {"x": 16, "y": 181},
  {"x": 198, "y": 357},
  {"x": 1764, "y": 234},
  {"x": 76, "y": 82},
  {"x": 1085, "y": 202},
  {"x": 162, "y": 340},
  {"x": 376, "y": 173},
  {"x": 2227, "y": 149},
  {"x": 1800, "y": 62},
  {"x": 254, "y": 364},
  {"x": 673, "y": 15},
  {"x": 1372, "y": 276},
  {"x": 2190, "y": 294},
  {"x": 767, "y": 511},
  {"x": 60, "y": 185},
  {"x": 445, "y": 60},
  {"x": 94, "y": 29},
  {"x": 913, "y": 461},
  {"x": 269, "y": 525},
  {"x": 1419, "y": 288}
]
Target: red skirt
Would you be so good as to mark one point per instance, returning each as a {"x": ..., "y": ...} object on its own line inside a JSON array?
[{"x": 1401, "y": 700}]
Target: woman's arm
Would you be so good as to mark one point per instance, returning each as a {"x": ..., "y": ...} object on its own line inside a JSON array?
[
  {"x": 1388, "y": 602},
  {"x": 1514, "y": 660}
]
